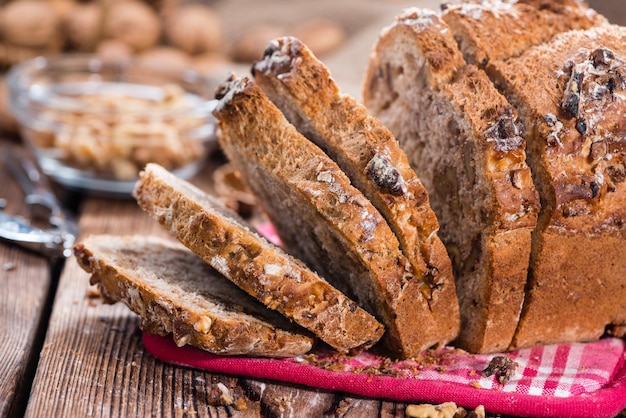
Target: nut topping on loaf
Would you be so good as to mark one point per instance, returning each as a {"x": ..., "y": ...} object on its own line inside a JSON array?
[{"x": 380, "y": 170}]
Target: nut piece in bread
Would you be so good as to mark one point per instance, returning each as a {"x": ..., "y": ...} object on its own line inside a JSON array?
[
  {"x": 302, "y": 88},
  {"x": 260, "y": 268},
  {"x": 463, "y": 141},
  {"x": 320, "y": 217},
  {"x": 173, "y": 291}
]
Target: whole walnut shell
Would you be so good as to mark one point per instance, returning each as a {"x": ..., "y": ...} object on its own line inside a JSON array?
[
  {"x": 84, "y": 26},
  {"x": 31, "y": 23},
  {"x": 194, "y": 28},
  {"x": 114, "y": 50},
  {"x": 134, "y": 23}
]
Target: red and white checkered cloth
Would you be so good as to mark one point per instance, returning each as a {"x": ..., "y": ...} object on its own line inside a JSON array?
[{"x": 569, "y": 380}]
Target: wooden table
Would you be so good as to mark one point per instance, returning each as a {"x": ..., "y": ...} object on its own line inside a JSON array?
[{"x": 65, "y": 354}]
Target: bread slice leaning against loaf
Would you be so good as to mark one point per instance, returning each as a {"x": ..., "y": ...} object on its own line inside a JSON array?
[
  {"x": 303, "y": 89},
  {"x": 260, "y": 268},
  {"x": 462, "y": 139},
  {"x": 320, "y": 217},
  {"x": 173, "y": 291}
]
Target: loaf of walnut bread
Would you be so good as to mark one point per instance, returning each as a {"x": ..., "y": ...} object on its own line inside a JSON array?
[
  {"x": 462, "y": 139},
  {"x": 567, "y": 89},
  {"x": 173, "y": 291},
  {"x": 321, "y": 218},
  {"x": 261, "y": 269},
  {"x": 303, "y": 89}
]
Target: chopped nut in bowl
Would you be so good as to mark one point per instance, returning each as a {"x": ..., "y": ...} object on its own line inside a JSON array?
[{"x": 94, "y": 125}]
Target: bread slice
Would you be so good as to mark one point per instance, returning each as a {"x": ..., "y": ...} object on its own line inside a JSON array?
[
  {"x": 462, "y": 139},
  {"x": 302, "y": 88},
  {"x": 320, "y": 217},
  {"x": 496, "y": 30},
  {"x": 173, "y": 291},
  {"x": 257, "y": 266},
  {"x": 570, "y": 94}
]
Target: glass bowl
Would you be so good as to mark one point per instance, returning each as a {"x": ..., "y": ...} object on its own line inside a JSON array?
[{"x": 93, "y": 124}]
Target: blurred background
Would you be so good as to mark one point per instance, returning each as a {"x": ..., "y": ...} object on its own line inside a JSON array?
[{"x": 213, "y": 36}]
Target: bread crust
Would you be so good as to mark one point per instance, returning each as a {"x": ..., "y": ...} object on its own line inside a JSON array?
[
  {"x": 263, "y": 270},
  {"x": 302, "y": 87},
  {"x": 320, "y": 217},
  {"x": 496, "y": 30},
  {"x": 463, "y": 141},
  {"x": 173, "y": 291}
]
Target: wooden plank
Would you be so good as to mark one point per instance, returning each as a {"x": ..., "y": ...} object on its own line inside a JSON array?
[{"x": 25, "y": 282}]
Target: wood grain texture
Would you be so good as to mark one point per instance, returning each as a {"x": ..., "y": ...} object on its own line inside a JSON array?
[{"x": 25, "y": 283}]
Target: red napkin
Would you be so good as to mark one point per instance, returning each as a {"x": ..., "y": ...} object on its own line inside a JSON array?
[{"x": 568, "y": 380}]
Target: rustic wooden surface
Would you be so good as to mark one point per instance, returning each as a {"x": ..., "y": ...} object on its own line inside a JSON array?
[
  {"x": 25, "y": 286},
  {"x": 64, "y": 353}
]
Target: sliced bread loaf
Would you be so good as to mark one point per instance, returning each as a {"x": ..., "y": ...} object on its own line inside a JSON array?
[
  {"x": 303, "y": 89},
  {"x": 263, "y": 270},
  {"x": 173, "y": 291},
  {"x": 462, "y": 139},
  {"x": 570, "y": 94},
  {"x": 321, "y": 217}
]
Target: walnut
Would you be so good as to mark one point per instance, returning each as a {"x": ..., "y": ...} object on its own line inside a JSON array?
[
  {"x": 445, "y": 410},
  {"x": 505, "y": 133},
  {"x": 83, "y": 27},
  {"x": 63, "y": 9},
  {"x": 133, "y": 22},
  {"x": 114, "y": 50},
  {"x": 380, "y": 170},
  {"x": 503, "y": 367},
  {"x": 121, "y": 145},
  {"x": 194, "y": 28},
  {"x": 211, "y": 64},
  {"x": 203, "y": 324},
  {"x": 31, "y": 24}
]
